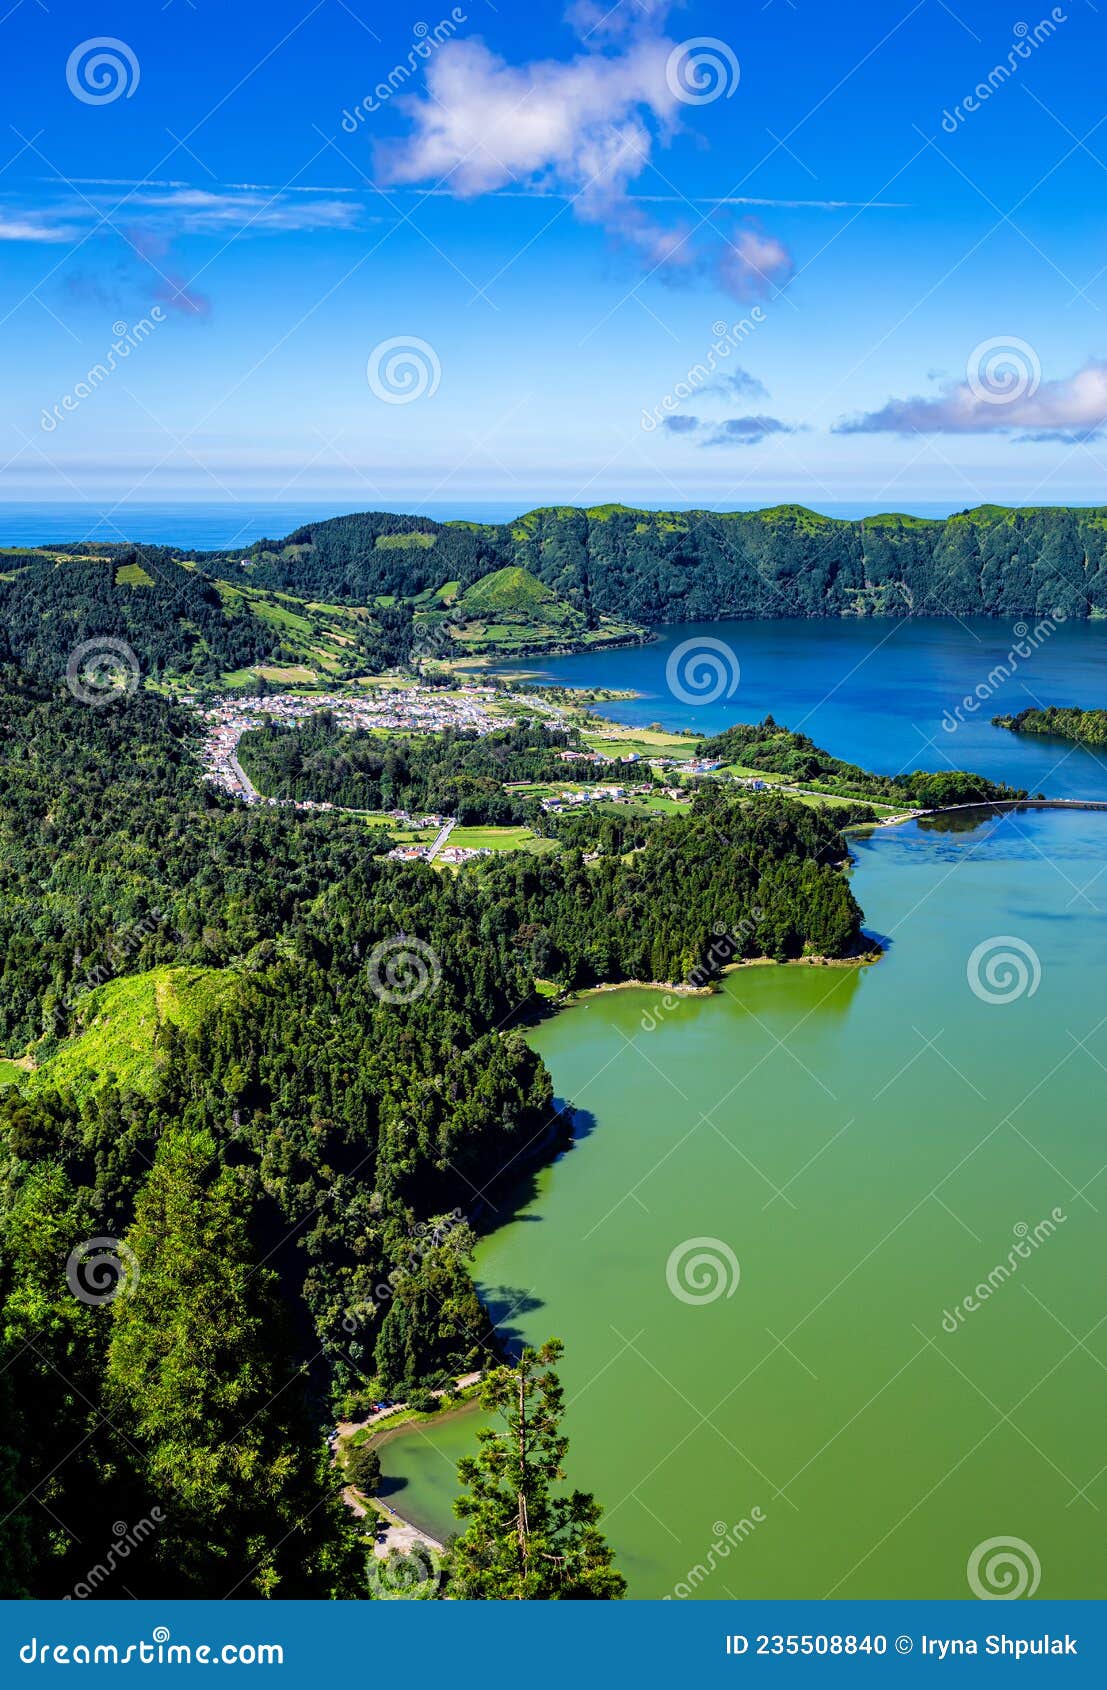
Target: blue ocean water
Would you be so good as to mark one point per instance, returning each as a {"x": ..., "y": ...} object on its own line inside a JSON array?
[{"x": 218, "y": 524}]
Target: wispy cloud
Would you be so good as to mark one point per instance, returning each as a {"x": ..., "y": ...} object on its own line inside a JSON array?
[
  {"x": 734, "y": 431},
  {"x": 181, "y": 208},
  {"x": 1013, "y": 403},
  {"x": 583, "y": 128},
  {"x": 202, "y": 211},
  {"x": 718, "y": 200},
  {"x": 738, "y": 384},
  {"x": 31, "y": 228}
]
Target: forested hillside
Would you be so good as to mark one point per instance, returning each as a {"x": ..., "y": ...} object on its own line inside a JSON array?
[
  {"x": 454, "y": 772},
  {"x": 278, "y": 1075},
  {"x": 179, "y": 622},
  {"x": 651, "y": 567}
]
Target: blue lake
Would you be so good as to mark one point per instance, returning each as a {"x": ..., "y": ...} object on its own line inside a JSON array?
[{"x": 889, "y": 695}]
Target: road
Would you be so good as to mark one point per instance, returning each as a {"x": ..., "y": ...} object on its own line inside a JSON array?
[
  {"x": 248, "y": 786},
  {"x": 441, "y": 840}
]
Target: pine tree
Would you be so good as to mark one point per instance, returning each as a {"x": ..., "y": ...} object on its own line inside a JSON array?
[
  {"x": 528, "y": 1539},
  {"x": 202, "y": 1377}
]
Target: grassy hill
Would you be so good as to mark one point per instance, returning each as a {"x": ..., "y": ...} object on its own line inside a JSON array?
[
  {"x": 121, "y": 1024},
  {"x": 511, "y": 591},
  {"x": 511, "y": 610}
]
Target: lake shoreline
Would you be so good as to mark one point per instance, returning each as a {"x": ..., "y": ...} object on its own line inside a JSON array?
[{"x": 857, "y": 959}]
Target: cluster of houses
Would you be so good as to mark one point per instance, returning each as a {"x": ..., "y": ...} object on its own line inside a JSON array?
[
  {"x": 423, "y": 710},
  {"x": 594, "y": 795},
  {"x": 416, "y": 709}
]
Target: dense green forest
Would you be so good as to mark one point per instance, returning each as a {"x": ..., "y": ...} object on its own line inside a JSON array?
[
  {"x": 139, "y": 595},
  {"x": 1059, "y": 722},
  {"x": 280, "y": 1075},
  {"x": 651, "y": 566},
  {"x": 776, "y": 750},
  {"x": 178, "y": 620},
  {"x": 457, "y": 773},
  {"x": 358, "y": 594}
]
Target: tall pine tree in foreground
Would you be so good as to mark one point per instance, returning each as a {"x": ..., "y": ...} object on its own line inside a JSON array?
[{"x": 526, "y": 1537}]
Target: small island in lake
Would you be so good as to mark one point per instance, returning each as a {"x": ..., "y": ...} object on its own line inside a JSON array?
[{"x": 1089, "y": 727}]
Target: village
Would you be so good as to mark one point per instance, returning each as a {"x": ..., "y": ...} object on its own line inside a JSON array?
[
  {"x": 411, "y": 709},
  {"x": 417, "y": 709}
]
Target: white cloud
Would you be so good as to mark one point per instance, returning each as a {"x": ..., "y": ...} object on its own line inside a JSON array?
[
  {"x": 584, "y": 127},
  {"x": 202, "y": 211},
  {"x": 1011, "y": 401},
  {"x": 485, "y": 124},
  {"x": 29, "y": 229},
  {"x": 754, "y": 264}
]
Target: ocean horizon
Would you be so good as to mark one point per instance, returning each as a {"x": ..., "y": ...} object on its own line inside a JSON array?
[{"x": 213, "y": 526}]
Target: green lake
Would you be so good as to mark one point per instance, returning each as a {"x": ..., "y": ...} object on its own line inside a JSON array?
[{"x": 869, "y": 1145}]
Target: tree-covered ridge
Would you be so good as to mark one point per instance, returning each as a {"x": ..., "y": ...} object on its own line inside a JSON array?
[
  {"x": 776, "y": 750},
  {"x": 181, "y": 623},
  {"x": 1058, "y": 721},
  {"x": 172, "y": 617},
  {"x": 217, "y": 623},
  {"x": 651, "y": 566},
  {"x": 455, "y": 772},
  {"x": 285, "y": 1164}
]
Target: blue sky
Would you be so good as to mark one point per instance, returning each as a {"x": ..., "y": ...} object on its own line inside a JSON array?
[{"x": 553, "y": 209}]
